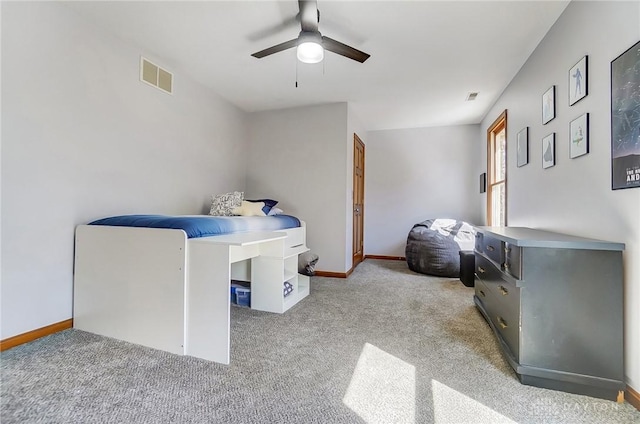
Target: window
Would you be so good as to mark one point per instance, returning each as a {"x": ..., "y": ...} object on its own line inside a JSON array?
[{"x": 497, "y": 172}]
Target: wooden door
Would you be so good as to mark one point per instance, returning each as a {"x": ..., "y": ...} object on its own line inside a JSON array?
[{"x": 358, "y": 200}]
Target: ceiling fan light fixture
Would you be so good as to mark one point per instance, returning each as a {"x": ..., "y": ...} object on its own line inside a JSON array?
[
  {"x": 310, "y": 52},
  {"x": 310, "y": 48}
]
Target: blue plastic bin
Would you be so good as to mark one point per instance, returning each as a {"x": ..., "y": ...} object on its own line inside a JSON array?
[
  {"x": 234, "y": 287},
  {"x": 243, "y": 296}
]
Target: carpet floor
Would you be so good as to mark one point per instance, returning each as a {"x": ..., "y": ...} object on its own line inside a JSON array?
[{"x": 384, "y": 346}]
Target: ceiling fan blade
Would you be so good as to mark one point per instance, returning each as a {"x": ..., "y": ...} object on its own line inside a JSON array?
[
  {"x": 274, "y": 29},
  {"x": 309, "y": 16},
  {"x": 275, "y": 49},
  {"x": 344, "y": 50}
]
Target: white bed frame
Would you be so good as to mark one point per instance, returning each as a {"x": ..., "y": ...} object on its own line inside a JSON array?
[{"x": 157, "y": 288}]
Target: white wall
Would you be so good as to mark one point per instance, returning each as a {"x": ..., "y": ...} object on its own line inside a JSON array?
[
  {"x": 575, "y": 196},
  {"x": 83, "y": 138},
  {"x": 297, "y": 156},
  {"x": 417, "y": 174}
]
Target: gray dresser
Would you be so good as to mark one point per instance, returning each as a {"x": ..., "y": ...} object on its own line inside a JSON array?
[{"x": 555, "y": 304}]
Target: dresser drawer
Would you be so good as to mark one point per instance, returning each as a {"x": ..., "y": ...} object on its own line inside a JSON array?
[
  {"x": 504, "y": 319},
  {"x": 502, "y": 304},
  {"x": 513, "y": 260},
  {"x": 482, "y": 292},
  {"x": 486, "y": 299},
  {"x": 507, "y": 322},
  {"x": 486, "y": 270},
  {"x": 506, "y": 313},
  {"x": 507, "y": 295},
  {"x": 493, "y": 248},
  {"x": 295, "y": 237}
]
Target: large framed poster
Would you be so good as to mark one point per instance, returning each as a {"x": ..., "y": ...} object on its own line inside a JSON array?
[{"x": 625, "y": 119}]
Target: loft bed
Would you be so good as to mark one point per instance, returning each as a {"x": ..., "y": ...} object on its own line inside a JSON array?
[{"x": 164, "y": 282}]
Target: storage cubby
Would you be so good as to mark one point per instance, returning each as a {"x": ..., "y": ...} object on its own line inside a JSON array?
[{"x": 276, "y": 264}]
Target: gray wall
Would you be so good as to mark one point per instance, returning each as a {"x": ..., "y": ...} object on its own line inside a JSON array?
[
  {"x": 417, "y": 174},
  {"x": 575, "y": 196},
  {"x": 83, "y": 138},
  {"x": 298, "y": 157}
]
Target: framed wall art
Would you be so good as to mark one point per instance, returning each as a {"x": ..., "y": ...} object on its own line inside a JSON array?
[
  {"x": 579, "y": 136},
  {"x": 522, "y": 147},
  {"x": 578, "y": 82},
  {"x": 549, "y": 105},
  {"x": 483, "y": 182},
  {"x": 625, "y": 119},
  {"x": 549, "y": 151}
]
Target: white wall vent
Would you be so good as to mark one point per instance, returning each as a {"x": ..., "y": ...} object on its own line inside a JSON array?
[
  {"x": 471, "y": 96},
  {"x": 154, "y": 75}
]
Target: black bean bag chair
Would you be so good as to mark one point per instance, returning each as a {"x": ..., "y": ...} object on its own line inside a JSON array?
[{"x": 433, "y": 246}]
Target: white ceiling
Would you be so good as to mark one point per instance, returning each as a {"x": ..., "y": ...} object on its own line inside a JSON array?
[{"x": 426, "y": 56}]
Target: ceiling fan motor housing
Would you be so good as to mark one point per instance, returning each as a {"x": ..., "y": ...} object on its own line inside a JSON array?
[{"x": 310, "y": 37}]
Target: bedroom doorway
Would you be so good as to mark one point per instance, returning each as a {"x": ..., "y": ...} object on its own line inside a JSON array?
[{"x": 358, "y": 200}]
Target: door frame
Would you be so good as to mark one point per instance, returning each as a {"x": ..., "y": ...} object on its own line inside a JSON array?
[
  {"x": 357, "y": 205},
  {"x": 497, "y": 126}
]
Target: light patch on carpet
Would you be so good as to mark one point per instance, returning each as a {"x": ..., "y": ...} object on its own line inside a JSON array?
[
  {"x": 451, "y": 406},
  {"x": 382, "y": 388}
]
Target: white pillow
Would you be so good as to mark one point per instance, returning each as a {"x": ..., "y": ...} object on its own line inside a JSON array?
[
  {"x": 275, "y": 211},
  {"x": 223, "y": 204},
  {"x": 249, "y": 209}
]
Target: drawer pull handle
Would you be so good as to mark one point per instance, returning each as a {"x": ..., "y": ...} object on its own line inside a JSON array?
[
  {"x": 506, "y": 265},
  {"x": 482, "y": 293},
  {"x": 490, "y": 248},
  {"x": 507, "y": 249},
  {"x": 502, "y": 322},
  {"x": 482, "y": 270},
  {"x": 503, "y": 290}
]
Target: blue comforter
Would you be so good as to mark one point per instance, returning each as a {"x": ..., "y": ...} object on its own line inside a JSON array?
[{"x": 203, "y": 225}]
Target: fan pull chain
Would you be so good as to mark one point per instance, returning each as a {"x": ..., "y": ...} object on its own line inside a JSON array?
[{"x": 296, "y": 73}]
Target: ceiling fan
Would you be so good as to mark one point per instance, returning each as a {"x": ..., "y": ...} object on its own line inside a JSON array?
[{"x": 310, "y": 43}]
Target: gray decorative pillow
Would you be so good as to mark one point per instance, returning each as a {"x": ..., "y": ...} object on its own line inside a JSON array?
[
  {"x": 224, "y": 204},
  {"x": 307, "y": 263}
]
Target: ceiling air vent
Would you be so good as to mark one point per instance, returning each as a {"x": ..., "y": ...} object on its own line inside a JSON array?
[
  {"x": 154, "y": 75},
  {"x": 471, "y": 96}
]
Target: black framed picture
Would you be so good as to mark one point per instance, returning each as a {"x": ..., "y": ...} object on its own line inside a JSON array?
[
  {"x": 549, "y": 151},
  {"x": 625, "y": 119},
  {"x": 522, "y": 147},
  {"x": 578, "y": 82},
  {"x": 483, "y": 182},
  {"x": 579, "y": 136},
  {"x": 549, "y": 105}
]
